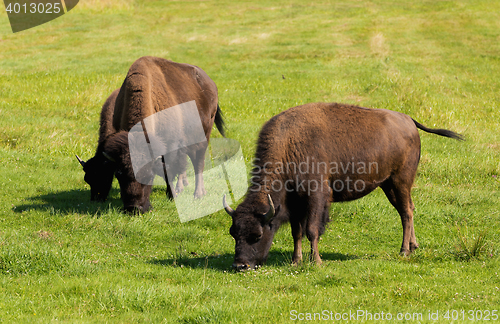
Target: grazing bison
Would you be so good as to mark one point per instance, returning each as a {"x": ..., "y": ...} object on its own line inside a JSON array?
[
  {"x": 151, "y": 85},
  {"x": 311, "y": 155},
  {"x": 99, "y": 170}
]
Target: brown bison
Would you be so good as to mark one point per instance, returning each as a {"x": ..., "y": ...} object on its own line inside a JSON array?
[
  {"x": 152, "y": 85},
  {"x": 99, "y": 170},
  {"x": 311, "y": 155}
]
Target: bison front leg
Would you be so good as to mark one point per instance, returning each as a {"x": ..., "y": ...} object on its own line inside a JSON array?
[
  {"x": 317, "y": 218},
  {"x": 314, "y": 257},
  {"x": 297, "y": 234},
  {"x": 313, "y": 233},
  {"x": 180, "y": 169}
]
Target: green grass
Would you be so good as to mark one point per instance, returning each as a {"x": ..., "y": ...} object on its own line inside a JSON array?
[{"x": 66, "y": 259}]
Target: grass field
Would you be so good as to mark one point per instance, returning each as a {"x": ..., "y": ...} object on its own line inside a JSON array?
[{"x": 66, "y": 259}]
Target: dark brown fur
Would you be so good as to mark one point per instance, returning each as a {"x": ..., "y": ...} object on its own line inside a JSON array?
[
  {"x": 151, "y": 85},
  {"x": 106, "y": 127},
  {"x": 330, "y": 133}
]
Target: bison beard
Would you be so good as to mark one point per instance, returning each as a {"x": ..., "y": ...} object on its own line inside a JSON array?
[
  {"x": 326, "y": 133},
  {"x": 152, "y": 85}
]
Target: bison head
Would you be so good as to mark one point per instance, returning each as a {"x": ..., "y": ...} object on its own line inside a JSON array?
[
  {"x": 113, "y": 157},
  {"x": 253, "y": 232},
  {"x": 99, "y": 175}
]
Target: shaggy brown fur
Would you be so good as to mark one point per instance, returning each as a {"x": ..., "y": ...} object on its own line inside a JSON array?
[
  {"x": 349, "y": 152},
  {"x": 106, "y": 127},
  {"x": 151, "y": 85}
]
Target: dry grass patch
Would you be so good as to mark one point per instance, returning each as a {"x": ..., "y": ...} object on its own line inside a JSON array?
[
  {"x": 44, "y": 235},
  {"x": 378, "y": 45}
]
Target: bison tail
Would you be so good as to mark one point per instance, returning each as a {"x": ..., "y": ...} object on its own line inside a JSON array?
[
  {"x": 219, "y": 121},
  {"x": 441, "y": 132}
]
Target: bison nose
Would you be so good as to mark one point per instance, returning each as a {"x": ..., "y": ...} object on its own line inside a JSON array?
[
  {"x": 240, "y": 267},
  {"x": 134, "y": 209}
]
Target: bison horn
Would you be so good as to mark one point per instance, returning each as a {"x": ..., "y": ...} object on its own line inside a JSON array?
[
  {"x": 228, "y": 209},
  {"x": 270, "y": 213},
  {"x": 80, "y": 160},
  {"x": 107, "y": 156}
]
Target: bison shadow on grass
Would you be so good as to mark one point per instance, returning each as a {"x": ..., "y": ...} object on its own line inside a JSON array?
[
  {"x": 73, "y": 201},
  {"x": 222, "y": 262}
]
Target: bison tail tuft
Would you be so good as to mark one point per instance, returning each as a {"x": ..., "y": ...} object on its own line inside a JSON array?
[
  {"x": 219, "y": 121},
  {"x": 441, "y": 132}
]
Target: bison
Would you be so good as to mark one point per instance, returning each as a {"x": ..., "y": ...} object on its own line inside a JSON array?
[
  {"x": 311, "y": 155},
  {"x": 99, "y": 170},
  {"x": 152, "y": 84}
]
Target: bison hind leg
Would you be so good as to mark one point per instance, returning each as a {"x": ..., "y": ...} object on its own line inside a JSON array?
[
  {"x": 181, "y": 182},
  {"x": 413, "y": 239},
  {"x": 398, "y": 193},
  {"x": 170, "y": 193}
]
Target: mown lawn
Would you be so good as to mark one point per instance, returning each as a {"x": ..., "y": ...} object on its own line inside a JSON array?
[{"x": 66, "y": 259}]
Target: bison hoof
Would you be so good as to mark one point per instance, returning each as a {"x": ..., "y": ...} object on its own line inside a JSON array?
[
  {"x": 404, "y": 252},
  {"x": 315, "y": 261},
  {"x": 181, "y": 183},
  {"x": 199, "y": 194},
  {"x": 318, "y": 262}
]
